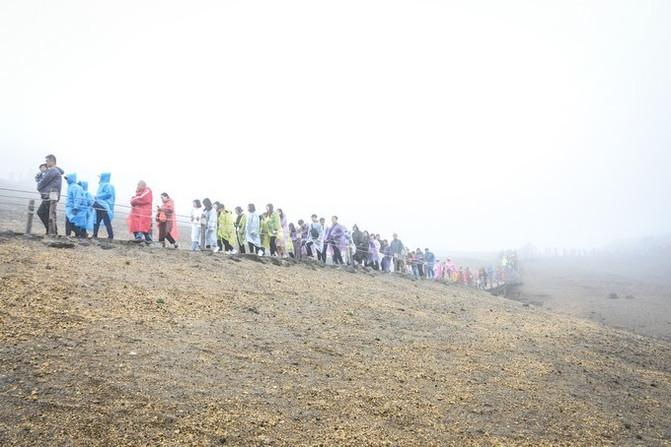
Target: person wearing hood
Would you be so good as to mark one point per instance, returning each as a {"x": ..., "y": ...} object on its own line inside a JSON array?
[
  {"x": 240, "y": 228},
  {"x": 88, "y": 205},
  {"x": 226, "y": 232},
  {"x": 139, "y": 220},
  {"x": 167, "y": 221},
  {"x": 75, "y": 210},
  {"x": 253, "y": 229},
  {"x": 49, "y": 186},
  {"x": 104, "y": 205}
]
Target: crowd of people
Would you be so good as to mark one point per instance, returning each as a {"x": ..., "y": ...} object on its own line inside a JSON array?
[{"x": 219, "y": 228}]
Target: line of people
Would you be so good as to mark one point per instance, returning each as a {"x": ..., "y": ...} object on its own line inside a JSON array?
[
  {"x": 84, "y": 212},
  {"x": 218, "y": 228}
]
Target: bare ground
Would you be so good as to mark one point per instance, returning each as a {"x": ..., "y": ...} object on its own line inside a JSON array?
[
  {"x": 624, "y": 291},
  {"x": 130, "y": 346}
]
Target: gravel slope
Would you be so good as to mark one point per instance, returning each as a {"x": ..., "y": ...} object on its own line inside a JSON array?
[{"x": 137, "y": 346}]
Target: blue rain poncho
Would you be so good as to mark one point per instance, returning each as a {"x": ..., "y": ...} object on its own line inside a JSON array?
[
  {"x": 74, "y": 205},
  {"x": 88, "y": 205},
  {"x": 105, "y": 197}
]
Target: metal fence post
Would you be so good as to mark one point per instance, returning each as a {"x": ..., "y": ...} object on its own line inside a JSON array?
[{"x": 31, "y": 213}]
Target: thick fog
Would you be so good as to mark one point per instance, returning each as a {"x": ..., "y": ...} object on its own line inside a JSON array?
[{"x": 460, "y": 125}]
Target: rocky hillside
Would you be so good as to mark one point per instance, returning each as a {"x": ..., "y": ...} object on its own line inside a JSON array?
[{"x": 119, "y": 345}]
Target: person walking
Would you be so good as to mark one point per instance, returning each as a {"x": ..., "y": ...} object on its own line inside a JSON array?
[
  {"x": 274, "y": 224},
  {"x": 333, "y": 239},
  {"x": 75, "y": 208},
  {"x": 253, "y": 230},
  {"x": 430, "y": 260},
  {"x": 104, "y": 205},
  {"x": 167, "y": 221},
  {"x": 89, "y": 202},
  {"x": 240, "y": 228},
  {"x": 139, "y": 220},
  {"x": 49, "y": 186},
  {"x": 209, "y": 221},
  {"x": 314, "y": 239},
  {"x": 385, "y": 249},
  {"x": 196, "y": 215},
  {"x": 396, "y": 247},
  {"x": 226, "y": 232}
]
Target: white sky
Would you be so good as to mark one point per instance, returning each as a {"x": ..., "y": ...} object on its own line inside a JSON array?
[{"x": 466, "y": 125}]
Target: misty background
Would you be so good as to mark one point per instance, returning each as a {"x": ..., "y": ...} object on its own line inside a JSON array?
[{"x": 460, "y": 125}]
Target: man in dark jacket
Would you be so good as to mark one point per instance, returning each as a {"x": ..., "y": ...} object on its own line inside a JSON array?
[
  {"x": 396, "y": 247},
  {"x": 49, "y": 187}
]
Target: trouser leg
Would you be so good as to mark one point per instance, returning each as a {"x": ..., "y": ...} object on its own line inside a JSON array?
[
  {"x": 108, "y": 224},
  {"x": 337, "y": 257},
  {"x": 43, "y": 214},
  {"x": 99, "y": 218}
]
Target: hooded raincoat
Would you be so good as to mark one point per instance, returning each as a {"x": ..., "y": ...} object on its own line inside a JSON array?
[
  {"x": 253, "y": 229},
  {"x": 275, "y": 226},
  {"x": 226, "y": 229},
  {"x": 75, "y": 205},
  {"x": 139, "y": 220},
  {"x": 105, "y": 197},
  {"x": 265, "y": 232},
  {"x": 241, "y": 229},
  {"x": 88, "y": 205}
]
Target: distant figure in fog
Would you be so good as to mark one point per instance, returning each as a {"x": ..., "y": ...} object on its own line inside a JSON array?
[
  {"x": 209, "y": 223},
  {"x": 430, "y": 260},
  {"x": 240, "y": 229},
  {"x": 253, "y": 230},
  {"x": 196, "y": 215},
  {"x": 396, "y": 247},
  {"x": 332, "y": 240}
]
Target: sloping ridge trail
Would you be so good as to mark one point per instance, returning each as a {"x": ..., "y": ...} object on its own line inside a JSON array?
[{"x": 136, "y": 346}]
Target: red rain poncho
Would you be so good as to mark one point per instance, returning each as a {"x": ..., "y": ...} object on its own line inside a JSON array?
[
  {"x": 168, "y": 210},
  {"x": 139, "y": 219}
]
